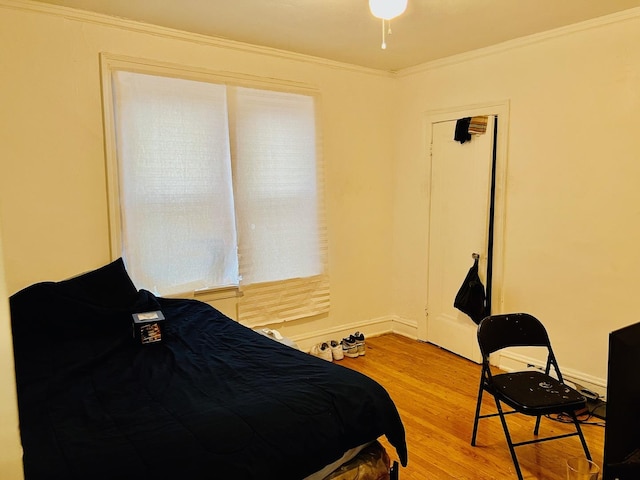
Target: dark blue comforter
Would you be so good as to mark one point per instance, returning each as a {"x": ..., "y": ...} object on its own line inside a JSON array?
[{"x": 214, "y": 400}]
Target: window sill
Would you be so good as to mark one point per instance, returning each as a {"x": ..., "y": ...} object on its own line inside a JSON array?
[{"x": 213, "y": 294}]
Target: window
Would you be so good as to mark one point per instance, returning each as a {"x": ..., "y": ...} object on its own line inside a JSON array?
[{"x": 214, "y": 184}]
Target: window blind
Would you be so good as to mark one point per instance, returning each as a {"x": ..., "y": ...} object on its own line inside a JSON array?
[
  {"x": 176, "y": 199},
  {"x": 281, "y": 240},
  {"x": 220, "y": 185}
]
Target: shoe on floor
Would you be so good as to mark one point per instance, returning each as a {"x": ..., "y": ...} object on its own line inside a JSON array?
[
  {"x": 336, "y": 350},
  {"x": 360, "y": 343},
  {"x": 322, "y": 351},
  {"x": 349, "y": 347}
]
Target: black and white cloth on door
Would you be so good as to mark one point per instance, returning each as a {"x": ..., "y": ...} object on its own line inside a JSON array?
[
  {"x": 471, "y": 298},
  {"x": 461, "y": 133}
]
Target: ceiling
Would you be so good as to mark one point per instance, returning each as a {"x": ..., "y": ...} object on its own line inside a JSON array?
[{"x": 345, "y": 31}]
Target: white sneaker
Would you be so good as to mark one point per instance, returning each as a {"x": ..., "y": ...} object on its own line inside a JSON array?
[
  {"x": 322, "y": 351},
  {"x": 349, "y": 347},
  {"x": 360, "y": 343},
  {"x": 336, "y": 350}
]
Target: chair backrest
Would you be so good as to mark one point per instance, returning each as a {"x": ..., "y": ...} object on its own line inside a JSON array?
[{"x": 511, "y": 330}]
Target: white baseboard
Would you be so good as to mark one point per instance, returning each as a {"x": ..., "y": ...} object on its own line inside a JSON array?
[
  {"x": 370, "y": 328},
  {"x": 404, "y": 327},
  {"x": 509, "y": 361}
]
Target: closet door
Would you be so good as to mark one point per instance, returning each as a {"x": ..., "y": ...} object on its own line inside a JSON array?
[{"x": 458, "y": 227}]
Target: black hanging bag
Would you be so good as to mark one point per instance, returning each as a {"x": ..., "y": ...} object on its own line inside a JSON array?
[{"x": 471, "y": 298}]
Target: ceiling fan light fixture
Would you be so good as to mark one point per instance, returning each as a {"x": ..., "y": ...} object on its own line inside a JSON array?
[{"x": 387, "y": 9}]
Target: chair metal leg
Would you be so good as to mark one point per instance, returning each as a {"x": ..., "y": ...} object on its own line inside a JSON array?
[
  {"x": 475, "y": 422},
  {"x": 579, "y": 430},
  {"x": 516, "y": 464},
  {"x": 537, "y": 427}
]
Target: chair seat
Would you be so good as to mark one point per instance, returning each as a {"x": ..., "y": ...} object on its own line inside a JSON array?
[{"x": 535, "y": 393}]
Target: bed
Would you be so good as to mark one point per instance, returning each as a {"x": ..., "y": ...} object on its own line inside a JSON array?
[{"x": 212, "y": 400}]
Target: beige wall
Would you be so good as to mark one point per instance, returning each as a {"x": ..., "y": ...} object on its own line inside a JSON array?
[
  {"x": 52, "y": 177},
  {"x": 572, "y": 203},
  {"x": 10, "y": 450}
]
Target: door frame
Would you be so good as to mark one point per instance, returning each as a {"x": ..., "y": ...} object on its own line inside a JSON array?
[{"x": 501, "y": 110}]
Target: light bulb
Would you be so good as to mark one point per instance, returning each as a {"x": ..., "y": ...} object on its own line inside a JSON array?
[{"x": 387, "y": 9}]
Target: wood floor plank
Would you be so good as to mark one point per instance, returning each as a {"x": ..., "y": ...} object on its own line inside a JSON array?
[{"x": 435, "y": 392}]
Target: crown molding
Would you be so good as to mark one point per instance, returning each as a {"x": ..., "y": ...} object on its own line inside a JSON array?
[
  {"x": 625, "y": 15},
  {"x": 219, "y": 42},
  {"x": 174, "y": 34}
]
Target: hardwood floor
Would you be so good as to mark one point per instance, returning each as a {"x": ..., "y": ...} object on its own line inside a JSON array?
[{"x": 435, "y": 392}]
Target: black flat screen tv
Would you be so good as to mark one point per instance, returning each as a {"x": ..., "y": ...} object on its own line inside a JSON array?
[{"x": 622, "y": 431}]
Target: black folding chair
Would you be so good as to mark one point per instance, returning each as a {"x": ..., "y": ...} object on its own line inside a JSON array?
[{"x": 528, "y": 392}]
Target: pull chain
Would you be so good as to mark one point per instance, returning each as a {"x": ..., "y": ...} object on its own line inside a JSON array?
[{"x": 386, "y": 30}]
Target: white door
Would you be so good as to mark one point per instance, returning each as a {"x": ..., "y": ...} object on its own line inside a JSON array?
[{"x": 458, "y": 227}]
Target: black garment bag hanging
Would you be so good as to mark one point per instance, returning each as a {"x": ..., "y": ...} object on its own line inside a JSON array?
[{"x": 471, "y": 298}]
